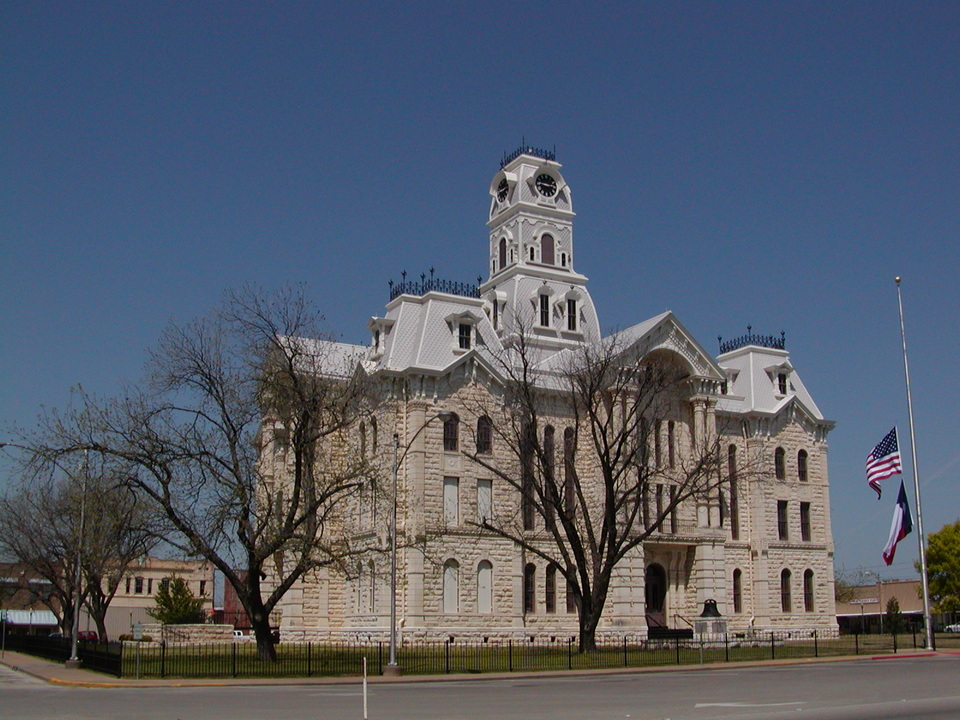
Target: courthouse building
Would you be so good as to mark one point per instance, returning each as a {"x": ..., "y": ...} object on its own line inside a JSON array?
[{"x": 760, "y": 545}]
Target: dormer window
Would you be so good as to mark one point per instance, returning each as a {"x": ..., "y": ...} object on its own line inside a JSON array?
[
  {"x": 782, "y": 383},
  {"x": 465, "y": 336},
  {"x": 545, "y": 311}
]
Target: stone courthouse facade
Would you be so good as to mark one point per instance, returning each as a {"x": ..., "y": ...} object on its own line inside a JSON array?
[{"x": 759, "y": 544}]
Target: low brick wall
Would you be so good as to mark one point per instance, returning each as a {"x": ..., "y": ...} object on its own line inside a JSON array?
[{"x": 189, "y": 633}]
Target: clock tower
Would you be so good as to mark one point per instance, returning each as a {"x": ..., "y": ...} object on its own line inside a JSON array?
[{"x": 532, "y": 283}]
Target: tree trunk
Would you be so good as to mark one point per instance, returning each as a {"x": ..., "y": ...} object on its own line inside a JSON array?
[{"x": 260, "y": 621}]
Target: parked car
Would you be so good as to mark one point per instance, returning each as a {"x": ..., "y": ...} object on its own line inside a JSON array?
[
  {"x": 952, "y": 628},
  {"x": 88, "y": 636},
  {"x": 238, "y": 635}
]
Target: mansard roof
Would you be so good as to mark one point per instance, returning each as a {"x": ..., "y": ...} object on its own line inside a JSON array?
[
  {"x": 753, "y": 385},
  {"x": 422, "y": 332}
]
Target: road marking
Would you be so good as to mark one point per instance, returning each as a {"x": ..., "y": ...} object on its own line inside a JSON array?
[{"x": 745, "y": 705}]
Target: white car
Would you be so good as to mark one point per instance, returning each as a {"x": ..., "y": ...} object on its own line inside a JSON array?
[{"x": 952, "y": 628}]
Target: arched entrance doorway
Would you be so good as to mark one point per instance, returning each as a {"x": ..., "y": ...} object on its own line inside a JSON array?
[{"x": 655, "y": 594}]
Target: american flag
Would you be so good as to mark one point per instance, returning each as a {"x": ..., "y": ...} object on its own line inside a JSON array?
[{"x": 883, "y": 461}]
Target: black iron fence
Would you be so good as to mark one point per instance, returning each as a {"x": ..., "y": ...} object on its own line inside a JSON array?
[
  {"x": 102, "y": 657},
  {"x": 240, "y": 659}
]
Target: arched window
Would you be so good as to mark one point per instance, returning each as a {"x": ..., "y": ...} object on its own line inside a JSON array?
[
  {"x": 802, "y": 466},
  {"x": 737, "y": 591},
  {"x": 530, "y": 588},
  {"x": 546, "y": 249},
  {"x": 359, "y": 586},
  {"x": 550, "y": 589},
  {"x": 503, "y": 253},
  {"x": 808, "y": 590},
  {"x": 451, "y": 587},
  {"x": 786, "y": 599},
  {"x": 779, "y": 463},
  {"x": 451, "y": 433},
  {"x": 484, "y": 435},
  {"x": 571, "y": 596},
  {"x": 484, "y": 587},
  {"x": 569, "y": 474},
  {"x": 372, "y": 569}
]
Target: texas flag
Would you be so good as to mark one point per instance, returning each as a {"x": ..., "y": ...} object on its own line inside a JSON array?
[{"x": 900, "y": 527}]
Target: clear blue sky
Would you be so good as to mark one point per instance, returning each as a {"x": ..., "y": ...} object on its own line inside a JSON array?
[{"x": 773, "y": 164}]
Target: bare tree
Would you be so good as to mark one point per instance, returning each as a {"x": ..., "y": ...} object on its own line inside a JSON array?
[
  {"x": 40, "y": 526},
  {"x": 586, "y": 492},
  {"x": 237, "y": 440}
]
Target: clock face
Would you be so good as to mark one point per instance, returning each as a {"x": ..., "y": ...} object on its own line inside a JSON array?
[
  {"x": 546, "y": 185},
  {"x": 502, "y": 189}
]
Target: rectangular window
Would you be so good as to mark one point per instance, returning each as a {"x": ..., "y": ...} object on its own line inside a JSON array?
[
  {"x": 496, "y": 314},
  {"x": 805, "y": 521},
  {"x": 782, "y": 523},
  {"x": 138, "y": 586},
  {"x": 465, "y": 331},
  {"x": 128, "y": 586},
  {"x": 659, "y": 507},
  {"x": 149, "y": 586},
  {"x": 571, "y": 314},
  {"x": 203, "y": 587},
  {"x": 782, "y": 383},
  {"x": 571, "y": 599},
  {"x": 451, "y": 500},
  {"x": 673, "y": 509},
  {"x": 545, "y": 311},
  {"x": 484, "y": 500}
]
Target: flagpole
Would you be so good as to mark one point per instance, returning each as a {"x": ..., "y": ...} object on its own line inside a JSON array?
[{"x": 928, "y": 624}]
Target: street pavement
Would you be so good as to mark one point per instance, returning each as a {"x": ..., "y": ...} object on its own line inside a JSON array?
[{"x": 916, "y": 685}]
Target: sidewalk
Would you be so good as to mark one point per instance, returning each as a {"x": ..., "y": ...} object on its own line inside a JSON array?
[{"x": 56, "y": 673}]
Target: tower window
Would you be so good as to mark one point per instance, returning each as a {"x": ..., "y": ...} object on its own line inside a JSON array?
[
  {"x": 547, "y": 255},
  {"x": 533, "y": 254},
  {"x": 571, "y": 314},
  {"x": 496, "y": 314},
  {"x": 503, "y": 253},
  {"x": 563, "y": 259},
  {"x": 545, "y": 311}
]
